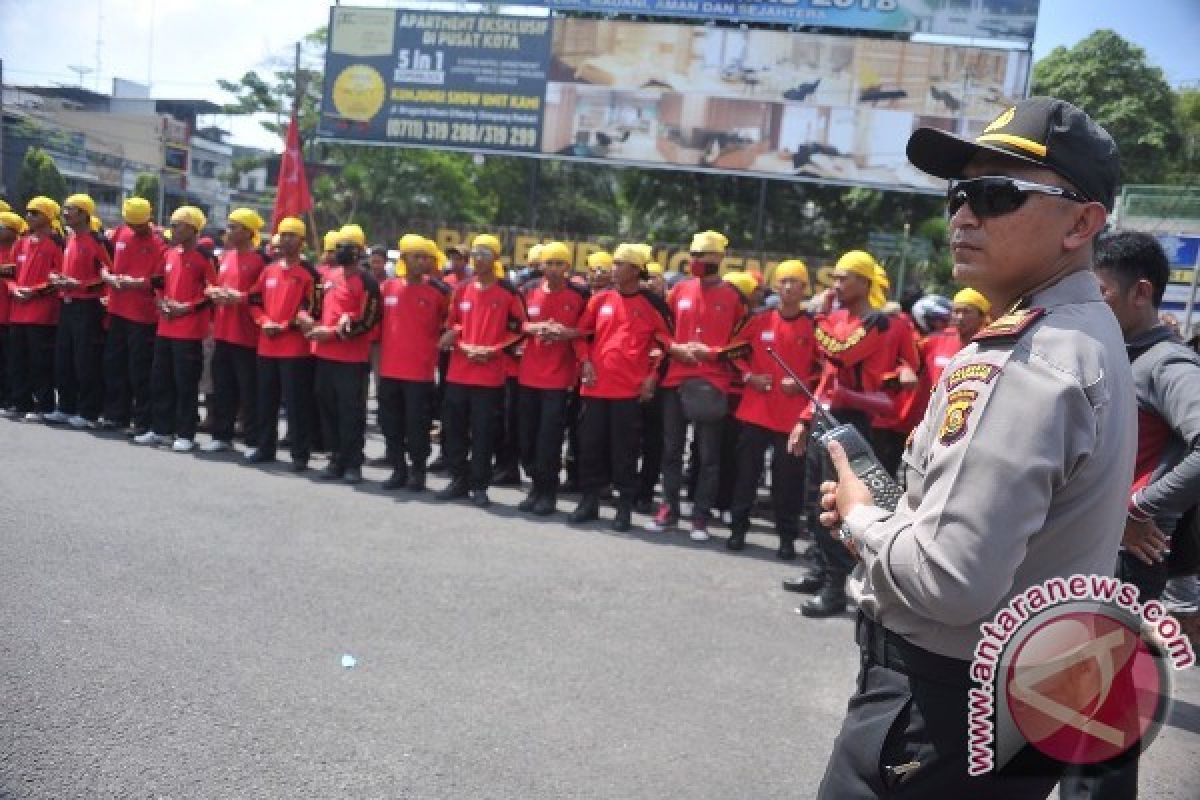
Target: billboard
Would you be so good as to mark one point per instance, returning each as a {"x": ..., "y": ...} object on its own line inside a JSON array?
[
  {"x": 448, "y": 80},
  {"x": 775, "y": 104},
  {"x": 1011, "y": 20}
]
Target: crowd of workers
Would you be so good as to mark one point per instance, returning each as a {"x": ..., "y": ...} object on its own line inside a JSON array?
[{"x": 646, "y": 377}]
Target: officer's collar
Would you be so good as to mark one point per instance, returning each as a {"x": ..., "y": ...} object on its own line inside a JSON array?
[{"x": 1080, "y": 286}]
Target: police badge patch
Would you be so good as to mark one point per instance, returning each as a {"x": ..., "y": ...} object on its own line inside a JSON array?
[{"x": 958, "y": 411}]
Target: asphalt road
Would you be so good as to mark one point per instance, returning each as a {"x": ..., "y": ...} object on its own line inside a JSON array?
[{"x": 173, "y": 626}]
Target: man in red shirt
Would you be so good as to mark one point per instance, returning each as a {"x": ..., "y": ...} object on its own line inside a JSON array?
[
  {"x": 235, "y": 334},
  {"x": 414, "y": 313},
  {"x": 80, "y": 344},
  {"x": 773, "y": 405},
  {"x": 11, "y": 228},
  {"x": 33, "y": 316},
  {"x": 280, "y": 303},
  {"x": 184, "y": 321},
  {"x": 348, "y": 308},
  {"x": 548, "y": 370},
  {"x": 486, "y": 315},
  {"x": 707, "y": 312},
  {"x": 620, "y": 330},
  {"x": 138, "y": 255},
  {"x": 968, "y": 317}
]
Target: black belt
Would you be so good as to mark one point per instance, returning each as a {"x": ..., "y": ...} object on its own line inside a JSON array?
[{"x": 881, "y": 646}]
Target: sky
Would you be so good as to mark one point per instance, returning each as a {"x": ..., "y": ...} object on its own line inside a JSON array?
[{"x": 181, "y": 47}]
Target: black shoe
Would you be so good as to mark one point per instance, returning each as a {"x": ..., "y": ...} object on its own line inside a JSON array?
[
  {"x": 299, "y": 465},
  {"x": 546, "y": 504},
  {"x": 808, "y": 583},
  {"x": 480, "y": 499},
  {"x": 828, "y": 602},
  {"x": 332, "y": 472},
  {"x": 507, "y": 477},
  {"x": 456, "y": 489},
  {"x": 416, "y": 482},
  {"x": 259, "y": 457},
  {"x": 787, "y": 550},
  {"x": 396, "y": 480},
  {"x": 737, "y": 540},
  {"x": 587, "y": 510},
  {"x": 353, "y": 475},
  {"x": 623, "y": 521},
  {"x": 530, "y": 502}
]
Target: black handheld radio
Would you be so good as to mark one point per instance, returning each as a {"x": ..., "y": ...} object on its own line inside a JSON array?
[{"x": 884, "y": 490}]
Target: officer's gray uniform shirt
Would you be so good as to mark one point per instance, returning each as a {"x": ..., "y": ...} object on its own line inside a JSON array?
[{"x": 1019, "y": 472}]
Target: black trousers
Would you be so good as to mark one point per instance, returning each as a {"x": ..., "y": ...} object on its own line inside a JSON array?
[
  {"x": 78, "y": 358},
  {"x": 175, "y": 386},
  {"x": 128, "y": 356},
  {"x": 508, "y": 425},
  {"x": 290, "y": 380},
  {"x": 235, "y": 392},
  {"x": 404, "y": 418},
  {"x": 610, "y": 433},
  {"x": 652, "y": 447},
  {"x": 708, "y": 446},
  {"x": 899, "y": 715},
  {"x": 469, "y": 418},
  {"x": 543, "y": 416},
  {"x": 5, "y": 383},
  {"x": 731, "y": 432},
  {"x": 342, "y": 403},
  {"x": 31, "y": 367},
  {"x": 571, "y": 459},
  {"x": 787, "y": 479},
  {"x": 833, "y": 560}
]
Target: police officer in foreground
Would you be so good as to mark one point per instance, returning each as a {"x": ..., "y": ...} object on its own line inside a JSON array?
[{"x": 1020, "y": 470}]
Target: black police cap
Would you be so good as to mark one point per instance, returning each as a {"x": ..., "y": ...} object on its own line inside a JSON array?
[{"x": 1042, "y": 131}]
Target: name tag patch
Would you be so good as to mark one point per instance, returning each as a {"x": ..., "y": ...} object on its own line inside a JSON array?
[{"x": 980, "y": 373}]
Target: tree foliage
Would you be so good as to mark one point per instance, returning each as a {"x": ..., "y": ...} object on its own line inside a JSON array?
[
  {"x": 146, "y": 186},
  {"x": 39, "y": 176},
  {"x": 1109, "y": 78}
]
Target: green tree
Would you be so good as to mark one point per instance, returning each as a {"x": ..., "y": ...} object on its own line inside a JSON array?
[
  {"x": 146, "y": 186},
  {"x": 1187, "y": 163},
  {"x": 1108, "y": 77},
  {"x": 39, "y": 176}
]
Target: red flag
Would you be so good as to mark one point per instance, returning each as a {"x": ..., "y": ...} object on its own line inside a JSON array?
[{"x": 292, "y": 198}]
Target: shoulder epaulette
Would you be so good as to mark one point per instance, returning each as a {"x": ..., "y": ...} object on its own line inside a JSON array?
[{"x": 1011, "y": 325}]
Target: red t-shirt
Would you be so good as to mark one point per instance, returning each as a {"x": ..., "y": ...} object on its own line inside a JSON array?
[
  {"x": 793, "y": 340},
  {"x": 624, "y": 330},
  {"x": 937, "y": 350},
  {"x": 902, "y": 350},
  {"x": 85, "y": 257},
  {"x": 551, "y": 365},
  {"x": 6, "y": 263},
  {"x": 186, "y": 274},
  {"x": 36, "y": 257},
  {"x": 139, "y": 257},
  {"x": 280, "y": 293},
  {"x": 708, "y": 314},
  {"x": 238, "y": 271},
  {"x": 355, "y": 295},
  {"x": 413, "y": 316},
  {"x": 491, "y": 317}
]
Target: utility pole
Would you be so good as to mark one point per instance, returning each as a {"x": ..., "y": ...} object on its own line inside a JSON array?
[{"x": 298, "y": 80}]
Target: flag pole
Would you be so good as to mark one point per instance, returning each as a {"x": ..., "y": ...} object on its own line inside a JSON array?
[{"x": 298, "y": 80}]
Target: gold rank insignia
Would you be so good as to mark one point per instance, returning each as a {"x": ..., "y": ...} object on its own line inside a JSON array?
[
  {"x": 1011, "y": 325},
  {"x": 958, "y": 412}
]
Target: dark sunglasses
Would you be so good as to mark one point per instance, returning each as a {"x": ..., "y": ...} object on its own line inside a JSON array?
[{"x": 994, "y": 196}]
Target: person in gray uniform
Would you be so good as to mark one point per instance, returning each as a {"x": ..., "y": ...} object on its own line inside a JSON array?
[
  {"x": 1133, "y": 272},
  {"x": 1019, "y": 472}
]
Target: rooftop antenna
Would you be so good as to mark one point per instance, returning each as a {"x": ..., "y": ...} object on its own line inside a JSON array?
[{"x": 80, "y": 71}]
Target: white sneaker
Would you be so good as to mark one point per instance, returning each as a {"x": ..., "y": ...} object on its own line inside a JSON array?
[
  {"x": 183, "y": 445},
  {"x": 33, "y": 416},
  {"x": 216, "y": 446},
  {"x": 81, "y": 423},
  {"x": 150, "y": 438},
  {"x": 55, "y": 418}
]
